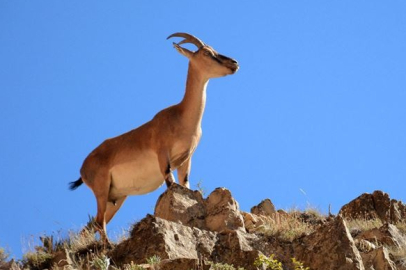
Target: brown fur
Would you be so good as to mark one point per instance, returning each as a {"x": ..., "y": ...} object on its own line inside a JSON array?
[{"x": 125, "y": 165}]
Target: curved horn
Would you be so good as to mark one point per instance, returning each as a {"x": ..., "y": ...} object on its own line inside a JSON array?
[{"x": 188, "y": 39}]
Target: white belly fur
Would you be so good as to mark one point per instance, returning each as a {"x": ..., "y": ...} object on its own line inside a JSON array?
[{"x": 135, "y": 177}]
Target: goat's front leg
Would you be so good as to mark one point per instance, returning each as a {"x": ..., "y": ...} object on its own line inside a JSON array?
[
  {"x": 184, "y": 172},
  {"x": 166, "y": 169},
  {"x": 169, "y": 178}
]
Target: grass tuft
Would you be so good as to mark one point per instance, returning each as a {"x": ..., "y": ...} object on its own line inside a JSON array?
[
  {"x": 356, "y": 226},
  {"x": 287, "y": 227},
  {"x": 223, "y": 266}
]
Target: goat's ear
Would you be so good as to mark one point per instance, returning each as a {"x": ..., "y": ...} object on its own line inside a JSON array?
[{"x": 183, "y": 51}]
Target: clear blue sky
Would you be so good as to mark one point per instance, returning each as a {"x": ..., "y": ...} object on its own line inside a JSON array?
[{"x": 318, "y": 105}]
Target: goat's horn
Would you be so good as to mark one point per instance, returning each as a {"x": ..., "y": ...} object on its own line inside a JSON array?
[{"x": 188, "y": 39}]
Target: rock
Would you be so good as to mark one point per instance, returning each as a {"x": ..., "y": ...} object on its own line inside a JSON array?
[
  {"x": 219, "y": 212},
  {"x": 379, "y": 259},
  {"x": 265, "y": 208},
  {"x": 363, "y": 207},
  {"x": 254, "y": 223},
  {"x": 156, "y": 236},
  {"x": 330, "y": 247},
  {"x": 180, "y": 204},
  {"x": 382, "y": 205},
  {"x": 235, "y": 248},
  {"x": 223, "y": 213},
  {"x": 179, "y": 264},
  {"x": 188, "y": 231},
  {"x": 373, "y": 206},
  {"x": 387, "y": 235},
  {"x": 182, "y": 247},
  {"x": 397, "y": 211}
]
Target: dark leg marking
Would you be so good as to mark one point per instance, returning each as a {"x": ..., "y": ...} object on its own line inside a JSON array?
[
  {"x": 186, "y": 178},
  {"x": 168, "y": 169},
  {"x": 168, "y": 175}
]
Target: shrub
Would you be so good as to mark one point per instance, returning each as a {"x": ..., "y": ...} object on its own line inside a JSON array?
[
  {"x": 299, "y": 265},
  {"x": 268, "y": 262},
  {"x": 37, "y": 260},
  {"x": 223, "y": 266},
  {"x": 133, "y": 266},
  {"x": 101, "y": 262}
]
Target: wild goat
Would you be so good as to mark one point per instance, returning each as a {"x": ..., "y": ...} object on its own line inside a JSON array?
[{"x": 139, "y": 161}]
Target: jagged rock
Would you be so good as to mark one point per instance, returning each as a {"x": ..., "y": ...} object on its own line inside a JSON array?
[
  {"x": 181, "y": 246},
  {"x": 330, "y": 247},
  {"x": 219, "y": 212},
  {"x": 166, "y": 239},
  {"x": 373, "y": 206},
  {"x": 397, "y": 211},
  {"x": 235, "y": 248},
  {"x": 379, "y": 259},
  {"x": 188, "y": 230},
  {"x": 180, "y": 204},
  {"x": 223, "y": 213},
  {"x": 265, "y": 208},
  {"x": 388, "y": 235},
  {"x": 254, "y": 223}
]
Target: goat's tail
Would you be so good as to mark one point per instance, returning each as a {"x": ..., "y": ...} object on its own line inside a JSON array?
[{"x": 75, "y": 184}]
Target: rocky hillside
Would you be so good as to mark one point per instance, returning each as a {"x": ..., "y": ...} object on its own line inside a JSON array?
[{"x": 189, "y": 232}]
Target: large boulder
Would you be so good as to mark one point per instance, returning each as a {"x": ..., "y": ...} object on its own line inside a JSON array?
[
  {"x": 264, "y": 208},
  {"x": 379, "y": 259},
  {"x": 387, "y": 235},
  {"x": 181, "y": 247},
  {"x": 170, "y": 241},
  {"x": 223, "y": 213},
  {"x": 377, "y": 205},
  {"x": 219, "y": 212},
  {"x": 236, "y": 248},
  {"x": 330, "y": 247},
  {"x": 180, "y": 204}
]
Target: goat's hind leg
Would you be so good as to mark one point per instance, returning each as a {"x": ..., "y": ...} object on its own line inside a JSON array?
[
  {"x": 100, "y": 222},
  {"x": 101, "y": 190},
  {"x": 97, "y": 224}
]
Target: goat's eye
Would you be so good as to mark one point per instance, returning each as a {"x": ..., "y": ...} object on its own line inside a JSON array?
[{"x": 207, "y": 53}]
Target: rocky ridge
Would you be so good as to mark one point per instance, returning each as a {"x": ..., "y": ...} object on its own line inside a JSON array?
[{"x": 188, "y": 231}]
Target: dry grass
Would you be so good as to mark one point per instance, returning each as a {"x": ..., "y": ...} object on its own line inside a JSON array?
[
  {"x": 3, "y": 255},
  {"x": 40, "y": 256},
  {"x": 399, "y": 255},
  {"x": 401, "y": 227},
  {"x": 362, "y": 225},
  {"x": 83, "y": 249},
  {"x": 288, "y": 226}
]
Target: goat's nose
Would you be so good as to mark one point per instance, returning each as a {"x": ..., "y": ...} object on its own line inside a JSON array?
[{"x": 234, "y": 61}]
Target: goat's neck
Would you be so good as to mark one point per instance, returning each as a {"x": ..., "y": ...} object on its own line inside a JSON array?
[{"x": 194, "y": 101}]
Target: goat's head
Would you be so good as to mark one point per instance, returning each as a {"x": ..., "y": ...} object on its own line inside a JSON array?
[{"x": 206, "y": 59}]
